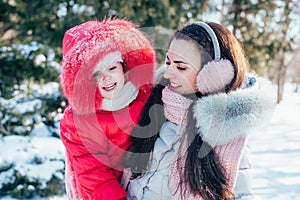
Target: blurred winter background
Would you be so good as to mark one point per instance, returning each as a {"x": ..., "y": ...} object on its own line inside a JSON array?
[{"x": 31, "y": 103}]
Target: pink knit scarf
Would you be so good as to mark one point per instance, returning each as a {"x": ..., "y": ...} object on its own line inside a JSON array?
[{"x": 175, "y": 106}]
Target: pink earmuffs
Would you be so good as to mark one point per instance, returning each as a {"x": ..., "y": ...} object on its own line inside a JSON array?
[{"x": 217, "y": 74}]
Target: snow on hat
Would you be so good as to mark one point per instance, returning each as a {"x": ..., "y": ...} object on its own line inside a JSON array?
[{"x": 86, "y": 45}]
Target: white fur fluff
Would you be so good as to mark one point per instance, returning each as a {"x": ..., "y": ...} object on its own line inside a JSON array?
[
  {"x": 214, "y": 76},
  {"x": 220, "y": 118},
  {"x": 108, "y": 60}
]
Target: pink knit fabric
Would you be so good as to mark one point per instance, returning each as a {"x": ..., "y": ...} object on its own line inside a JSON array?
[
  {"x": 175, "y": 106},
  {"x": 229, "y": 156}
]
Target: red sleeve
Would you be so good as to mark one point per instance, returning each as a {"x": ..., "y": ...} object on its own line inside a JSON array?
[
  {"x": 93, "y": 179},
  {"x": 96, "y": 180}
]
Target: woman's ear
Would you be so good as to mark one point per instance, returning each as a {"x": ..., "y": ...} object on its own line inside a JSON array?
[{"x": 214, "y": 76}]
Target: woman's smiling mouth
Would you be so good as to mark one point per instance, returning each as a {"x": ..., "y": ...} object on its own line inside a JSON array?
[{"x": 174, "y": 85}]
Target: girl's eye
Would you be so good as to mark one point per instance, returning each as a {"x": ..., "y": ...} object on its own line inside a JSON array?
[
  {"x": 112, "y": 68},
  {"x": 180, "y": 68},
  {"x": 168, "y": 62},
  {"x": 96, "y": 75}
]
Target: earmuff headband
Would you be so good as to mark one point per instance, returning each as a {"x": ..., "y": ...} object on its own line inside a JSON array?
[
  {"x": 213, "y": 37},
  {"x": 217, "y": 74}
]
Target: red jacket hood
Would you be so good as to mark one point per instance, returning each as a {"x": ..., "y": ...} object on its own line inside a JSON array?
[{"x": 85, "y": 45}]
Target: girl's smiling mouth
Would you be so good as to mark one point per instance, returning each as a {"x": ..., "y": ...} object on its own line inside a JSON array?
[{"x": 110, "y": 87}]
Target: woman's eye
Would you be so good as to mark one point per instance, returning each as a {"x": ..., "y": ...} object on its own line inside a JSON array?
[
  {"x": 180, "y": 68},
  {"x": 168, "y": 62}
]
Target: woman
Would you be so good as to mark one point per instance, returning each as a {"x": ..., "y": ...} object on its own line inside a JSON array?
[
  {"x": 106, "y": 76},
  {"x": 192, "y": 148}
]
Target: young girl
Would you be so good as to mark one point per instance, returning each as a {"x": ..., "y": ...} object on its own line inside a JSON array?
[
  {"x": 107, "y": 78},
  {"x": 195, "y": 144}
]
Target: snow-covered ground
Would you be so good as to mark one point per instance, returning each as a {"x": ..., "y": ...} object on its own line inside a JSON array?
[{"x": 275, "y": 153}]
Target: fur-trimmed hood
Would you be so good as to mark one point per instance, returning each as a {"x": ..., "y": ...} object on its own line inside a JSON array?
[
  {"x": 221, "y": 117},
  {"x": 87, "y": 45}
]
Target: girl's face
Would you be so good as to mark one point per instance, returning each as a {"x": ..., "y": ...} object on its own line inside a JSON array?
[
  {"x": 110, "y": 80},
  {"x": 183, "y": 64}
]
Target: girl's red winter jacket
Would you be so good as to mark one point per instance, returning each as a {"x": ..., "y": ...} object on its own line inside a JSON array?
[
  {"x": 95, "y": 140},
  {"x": 95, "y": 145}
]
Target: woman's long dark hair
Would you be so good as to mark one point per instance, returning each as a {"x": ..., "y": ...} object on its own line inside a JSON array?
[
  {"x": 143, "y": 136},
  {"x": 203, "y": 174}
]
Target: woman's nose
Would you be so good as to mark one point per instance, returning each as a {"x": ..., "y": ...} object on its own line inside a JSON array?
[{"x": 169, "y": 73}]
